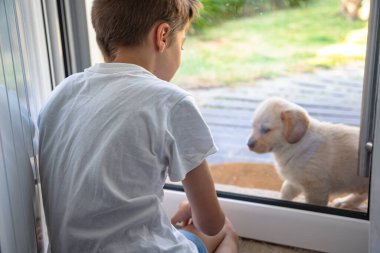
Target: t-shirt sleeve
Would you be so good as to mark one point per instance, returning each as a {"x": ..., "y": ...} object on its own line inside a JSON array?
[{"x": 188, "y": 139}]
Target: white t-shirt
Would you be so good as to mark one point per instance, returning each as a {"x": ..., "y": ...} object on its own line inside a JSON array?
[{"x": 109, "y": 137}]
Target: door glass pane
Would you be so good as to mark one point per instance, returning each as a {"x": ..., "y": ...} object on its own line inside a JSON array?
[{"x": 310, "y": 53}]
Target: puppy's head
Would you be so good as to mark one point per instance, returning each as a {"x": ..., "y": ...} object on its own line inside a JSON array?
[{"x": 277, "y": 122}]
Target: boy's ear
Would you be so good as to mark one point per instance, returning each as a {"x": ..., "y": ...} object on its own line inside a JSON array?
[{"x": 162, "y": 36}]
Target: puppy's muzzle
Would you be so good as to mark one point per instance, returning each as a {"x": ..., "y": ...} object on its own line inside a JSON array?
[{"x": 251, "y": 144}]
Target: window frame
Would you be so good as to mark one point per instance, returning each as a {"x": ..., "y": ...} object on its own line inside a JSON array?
[
  {"x": 286, "y": 226},
  {"x": 66, "y": 29},
  {"x": 370, "y": 91},
  {"x": 374, "y": 205}
]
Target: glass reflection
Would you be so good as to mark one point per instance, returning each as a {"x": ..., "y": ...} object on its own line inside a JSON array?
[{"x": 310, "y": 53}]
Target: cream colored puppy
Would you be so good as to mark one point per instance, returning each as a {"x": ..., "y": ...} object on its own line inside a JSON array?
[{"x": 314, "y": 158}]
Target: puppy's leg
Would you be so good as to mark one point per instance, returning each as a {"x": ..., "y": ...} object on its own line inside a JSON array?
[
  {"x": 316, "y": 196},
  {"x": 289, "y": 191},
  {"x": 351, "y": 201}
]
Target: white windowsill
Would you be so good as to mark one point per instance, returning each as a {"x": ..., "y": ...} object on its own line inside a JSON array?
[{"x": 286, "y": 226}]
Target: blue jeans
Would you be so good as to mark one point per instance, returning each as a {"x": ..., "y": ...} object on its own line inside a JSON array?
[{"x": 196, "y": 240}]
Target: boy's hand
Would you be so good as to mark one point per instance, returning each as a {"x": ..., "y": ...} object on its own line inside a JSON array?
[{"x": 183, "y": 215}]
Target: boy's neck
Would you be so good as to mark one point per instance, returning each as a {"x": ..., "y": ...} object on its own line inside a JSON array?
[{"x": 140, "y": 56}]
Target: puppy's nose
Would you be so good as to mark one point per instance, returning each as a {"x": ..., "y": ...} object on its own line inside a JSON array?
[{"x": 251, "y": 143}]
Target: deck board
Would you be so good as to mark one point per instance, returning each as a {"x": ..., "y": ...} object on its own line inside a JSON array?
[{"x": 328, "y": 95}]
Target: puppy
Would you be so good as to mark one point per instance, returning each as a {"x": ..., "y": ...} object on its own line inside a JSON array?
[{"x": 314, "y": 158}]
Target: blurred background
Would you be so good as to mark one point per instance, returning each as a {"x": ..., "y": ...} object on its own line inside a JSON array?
[{"x": 239, "y": 41}]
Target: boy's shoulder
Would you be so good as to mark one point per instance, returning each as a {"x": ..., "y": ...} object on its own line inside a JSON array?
[
  {"x": 151, "y": 86},
  {"x": 61, "y": 90},
  {"x": 173, "y": 88},
  {"x": 171, "y": 92},
  {"x": 132, "y": 75},
  {"x": 67, "y": 82}
]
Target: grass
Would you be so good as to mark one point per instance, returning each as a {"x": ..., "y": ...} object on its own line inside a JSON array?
[{"x": 243, "y": 50}]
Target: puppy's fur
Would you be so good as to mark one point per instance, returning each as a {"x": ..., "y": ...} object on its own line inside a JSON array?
[{"x": 314, "y": 158}]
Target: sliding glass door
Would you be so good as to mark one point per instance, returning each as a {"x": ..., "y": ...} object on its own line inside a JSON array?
[{"x": 320, "y": 56}]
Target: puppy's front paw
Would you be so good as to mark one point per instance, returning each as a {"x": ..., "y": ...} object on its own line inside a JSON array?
[
  {"x": 338, "y": 203},
  {"x": 289, "y": 191}
]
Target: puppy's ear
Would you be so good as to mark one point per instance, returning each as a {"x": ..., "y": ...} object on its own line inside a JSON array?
[{"x": 295, "y": 125}]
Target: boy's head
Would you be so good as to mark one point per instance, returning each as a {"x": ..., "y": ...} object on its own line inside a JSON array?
[{"x": 126, "y": 23}]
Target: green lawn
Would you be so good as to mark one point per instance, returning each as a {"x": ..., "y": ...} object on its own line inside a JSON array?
[{"x": 274, "y": 44}]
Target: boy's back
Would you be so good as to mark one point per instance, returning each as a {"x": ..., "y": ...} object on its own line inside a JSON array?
[
  {"x": 118, "y": 127},
  {"x": 110, "y": 136}
]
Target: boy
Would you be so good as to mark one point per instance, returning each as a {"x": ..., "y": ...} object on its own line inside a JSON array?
[{"x": 111, "y": 135}]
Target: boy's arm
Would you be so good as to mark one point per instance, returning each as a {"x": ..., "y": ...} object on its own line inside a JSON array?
[{"x": 206, "y": 212}]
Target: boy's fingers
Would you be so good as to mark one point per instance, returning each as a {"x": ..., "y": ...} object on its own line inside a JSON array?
[
  {"x": 174, "y": 220},
  {"x": 178, "y": 217},
  {"x": 183, "y": 214}
]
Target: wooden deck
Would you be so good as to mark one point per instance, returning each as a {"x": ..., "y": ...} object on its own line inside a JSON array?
[{"x": 328, "y": 95}]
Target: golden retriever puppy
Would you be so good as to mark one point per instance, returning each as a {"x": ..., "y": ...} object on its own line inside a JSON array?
[{"x": 314, "y": 158}]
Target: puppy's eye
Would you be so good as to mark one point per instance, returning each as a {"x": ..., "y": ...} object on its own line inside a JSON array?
[{"x": 264, "y": 129}]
